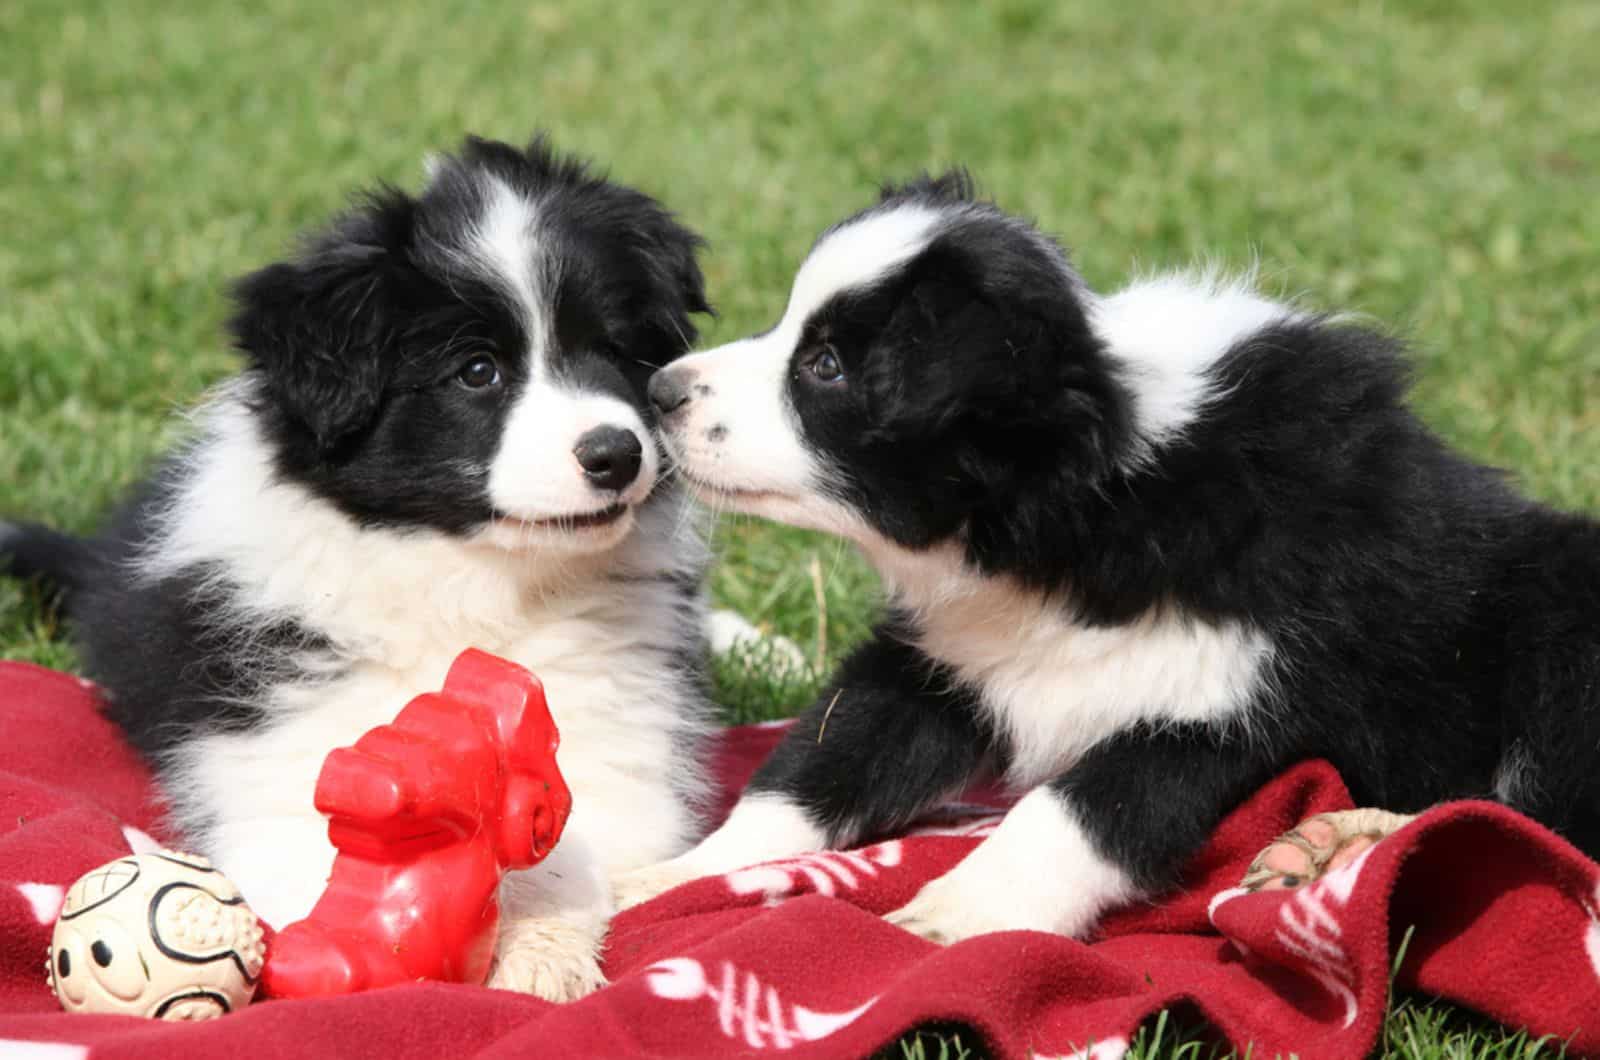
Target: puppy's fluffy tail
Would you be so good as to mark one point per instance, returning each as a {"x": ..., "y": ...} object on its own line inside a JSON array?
[{"x": 62, "y": 562}]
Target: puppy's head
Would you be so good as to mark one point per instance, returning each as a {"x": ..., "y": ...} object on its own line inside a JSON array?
[
  {"x": 473, "y": 359},
  {"x": 935, "y": 360}
]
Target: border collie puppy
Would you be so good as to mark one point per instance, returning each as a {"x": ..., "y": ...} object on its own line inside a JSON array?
[
  {"x": 440, "y": 439},
  {"x": 1142, "y": 551}
]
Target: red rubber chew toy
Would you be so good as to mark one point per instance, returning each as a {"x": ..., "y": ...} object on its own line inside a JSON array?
[{"x": 427, "y": 813}]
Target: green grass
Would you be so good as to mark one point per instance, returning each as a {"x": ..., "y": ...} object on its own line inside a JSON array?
[
  {"x": 1432, "y": 163},
  {"x": 1415, "y": 1031}
]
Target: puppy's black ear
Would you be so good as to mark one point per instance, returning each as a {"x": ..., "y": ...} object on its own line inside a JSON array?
[
  {"x": 953, "y": 185},
  {"x": 677, "y": 288},
  {"x": 319, "y": 328},
  {"x": 678, "y": 262}
]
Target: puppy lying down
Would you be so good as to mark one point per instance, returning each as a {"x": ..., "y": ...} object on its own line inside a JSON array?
[{"x": 1142, "y": 551}]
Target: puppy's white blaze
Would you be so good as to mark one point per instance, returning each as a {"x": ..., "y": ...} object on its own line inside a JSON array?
[
  {"x": 504, "y": 250},
  {"x": 1055, "y": 686},
  {"x": 536, "y": 475},
  {"x": 1038, "y": 871},
  {"x": 1169, "y": 332},
  {"x": 855, "y": 255}
]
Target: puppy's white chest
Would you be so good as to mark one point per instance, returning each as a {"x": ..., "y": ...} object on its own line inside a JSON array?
[
  {"x": 1055, "y": 687},
  {"x": 618, "y": 709}
]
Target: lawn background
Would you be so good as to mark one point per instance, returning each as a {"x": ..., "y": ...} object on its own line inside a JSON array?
[{"x": 1433, "y": 164}]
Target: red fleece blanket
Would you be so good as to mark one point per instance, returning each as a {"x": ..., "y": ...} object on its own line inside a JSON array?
[{"x": 792, "y": 957}]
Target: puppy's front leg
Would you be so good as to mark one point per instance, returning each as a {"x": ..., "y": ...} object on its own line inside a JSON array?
[
  {"x": 888, "y": 739},
  {"x": 1119, "y": 825},
  {"x": 553, "y": 919}
]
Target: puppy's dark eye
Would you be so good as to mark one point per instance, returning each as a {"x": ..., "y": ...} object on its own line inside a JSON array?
[
  {"x": 479, "y": 373},
  {"x": 100, "y": 952},
  {"x": 826, "y": 367}
]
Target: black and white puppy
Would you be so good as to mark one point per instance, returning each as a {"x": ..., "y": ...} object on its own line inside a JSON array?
[
  {"x": 1142, "y": 552},
  {"x": 440, "y": 440}
]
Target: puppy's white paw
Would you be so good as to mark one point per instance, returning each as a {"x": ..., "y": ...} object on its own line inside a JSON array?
[
  {"x": 1037, "y": 872},
  {"x": 547, "y": 957},
  {"x": 629, "y": 889},
  {"x": 947, "y": 911}
]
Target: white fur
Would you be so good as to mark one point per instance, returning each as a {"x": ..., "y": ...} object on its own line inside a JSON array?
[
  {"x": 1167, "y": 332},
  {"x": 536, "y": 475},
  {"x": 1516, "y": 777},
  {"x": 761, "y": 827},
  {"x": 854, "y": 255},
  {"x": 504, "y": 252},
  {"x": 396, "y": 608},
  {"x": 1054, "y": 686},
  {"x": 758, "y": 447},
  {"x": 1037, "y": 872}
]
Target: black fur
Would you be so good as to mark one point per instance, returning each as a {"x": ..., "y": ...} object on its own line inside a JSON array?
[
  {"x": 892, "y": 723},
  {"x": 174, "y": 666},
  {"x": 948, "y": 422},
  {"x": 61, "y": 562},
  {"x": 1436, "y": 634}
]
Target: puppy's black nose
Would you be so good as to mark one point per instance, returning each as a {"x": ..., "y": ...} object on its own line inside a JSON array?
[
  {"x": 610, "y": 456},
  {"x": 669, "y": 390}
]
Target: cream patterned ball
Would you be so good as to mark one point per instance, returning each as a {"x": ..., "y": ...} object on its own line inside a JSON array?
[{"x": 162, "y": 935}]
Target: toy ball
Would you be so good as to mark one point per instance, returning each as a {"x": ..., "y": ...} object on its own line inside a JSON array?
[{"x": 161, "y": 935}]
